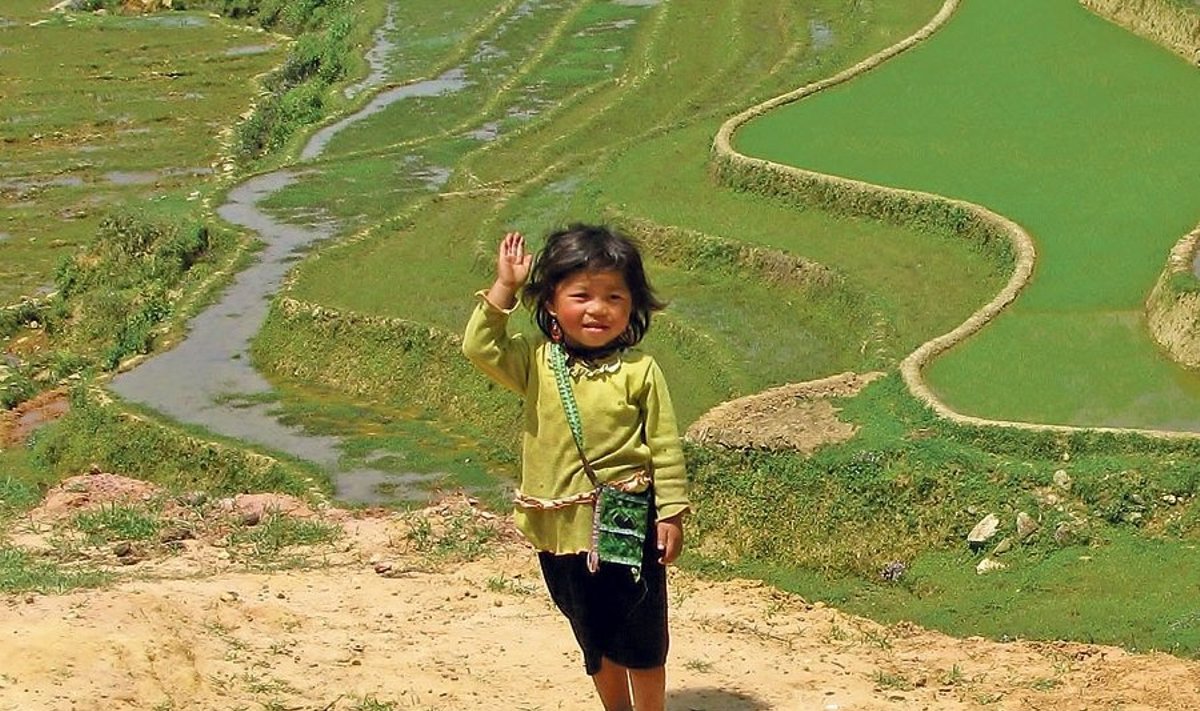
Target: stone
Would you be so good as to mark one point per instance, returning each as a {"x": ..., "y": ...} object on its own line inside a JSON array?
[
  {"x": 176, "y": 534},
  {"x": 1063, "y": 534},
  {"x": 987, "y": 565},
  {"x": 1026, "y": 526},
  {"x": 1062, "y": 479},
  {"x": 1003, "y": 547},
  {"x": 983, "y": 531}
]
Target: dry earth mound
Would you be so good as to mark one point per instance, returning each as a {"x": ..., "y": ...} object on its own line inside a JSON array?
[{"x": 797, "y": 416}]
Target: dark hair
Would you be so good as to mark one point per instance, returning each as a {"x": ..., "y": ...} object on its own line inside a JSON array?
[{"x": 582, "y": 247}]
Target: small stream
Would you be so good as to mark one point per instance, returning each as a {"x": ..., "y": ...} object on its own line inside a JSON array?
[{"x": 208, "y": 380}]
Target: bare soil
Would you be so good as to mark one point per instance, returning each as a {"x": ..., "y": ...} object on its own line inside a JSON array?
[
  {"x": 798, "y": 416},
  {"x": 17, "y": 424},
  {"x": 381, "y": 616}
]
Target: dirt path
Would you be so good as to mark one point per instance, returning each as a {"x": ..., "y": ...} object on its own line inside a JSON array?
[{"x": 378, "y": 620}]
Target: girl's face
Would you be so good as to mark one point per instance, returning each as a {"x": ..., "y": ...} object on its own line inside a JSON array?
[{"x": 592, "y": 307}]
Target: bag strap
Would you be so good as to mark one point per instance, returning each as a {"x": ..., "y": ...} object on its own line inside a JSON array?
[{"x": 558, "y": 363}]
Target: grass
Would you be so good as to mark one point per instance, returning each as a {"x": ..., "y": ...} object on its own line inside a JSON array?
[
  {"x": 94, "y": 433},
  {"x": 457, "y": 536},
  {"x": 131, "y": 110},
  {"x": 267, "y": 542},
  {"x": 17, "y": 492},
  {"x": 1131, "y": 592},
  {"x": 1107, "y": 565},
  {"x": 21, "y": 572},
  {"x": 998, "y": 109},
  {"x": 119, "y": 522}
]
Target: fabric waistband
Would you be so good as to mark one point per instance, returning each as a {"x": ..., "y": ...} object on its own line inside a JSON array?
[{"x": 637, "y": 481}]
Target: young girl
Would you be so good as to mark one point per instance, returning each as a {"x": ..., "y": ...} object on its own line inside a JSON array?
[{"x": 589, "y": 295}]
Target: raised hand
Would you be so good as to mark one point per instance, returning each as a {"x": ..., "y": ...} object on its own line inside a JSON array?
[
  {"x": 513, "y": 262},
  {"x": 512, "y": 270}
]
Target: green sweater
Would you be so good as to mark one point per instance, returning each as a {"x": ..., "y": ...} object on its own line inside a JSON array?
[{"x": 628, "y": 425}]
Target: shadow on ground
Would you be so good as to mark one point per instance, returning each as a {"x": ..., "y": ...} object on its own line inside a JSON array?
[{"x": 714, "y": 700}]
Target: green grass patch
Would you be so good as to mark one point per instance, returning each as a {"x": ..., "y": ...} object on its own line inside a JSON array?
[
  {"x": 20, "y": 572},
  {"x": 132, "y": 112},
  {"x": 1129, "y": 591},
  {"x": 457, "y": 536},
  {"x": 119, "y": 522},
  {"x": 401, "y": 440},
  {"x": 93, "y": 433},
  {"x": 1116, "y": 519},
  {"x": 17, "y": 491},
  {"x": 270, "y": 540},
  {"x": 993, "y": 109}
]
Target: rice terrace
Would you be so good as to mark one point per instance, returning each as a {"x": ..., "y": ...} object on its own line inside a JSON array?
[{"x": 933, "y": 331}]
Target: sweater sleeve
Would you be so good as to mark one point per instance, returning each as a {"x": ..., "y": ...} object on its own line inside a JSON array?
[
  {"x": 486, "y": 343},
  {"x": 666, "y": 451}
]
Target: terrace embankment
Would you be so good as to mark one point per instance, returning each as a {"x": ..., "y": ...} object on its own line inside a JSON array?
[
  {"x": 1000, "y": 236},
  {"x": 1006, "y": 238},
  {"x": 1173, "y": 309},
  {"x": 1161, "y": 21}
]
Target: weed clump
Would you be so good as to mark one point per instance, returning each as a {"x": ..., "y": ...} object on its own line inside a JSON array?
[
  {"x": 114, "y": 293},
  {"x": 296, "y": 92}
]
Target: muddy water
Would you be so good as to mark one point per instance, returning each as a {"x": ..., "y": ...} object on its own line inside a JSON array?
[
  {"x": 377, "y": 57},
  {"x": 447, "y": 83},
  {"x": 207, "y": 379}
]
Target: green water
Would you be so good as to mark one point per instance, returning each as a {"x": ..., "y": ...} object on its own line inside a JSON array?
[{"x": 1081, "y": 132}]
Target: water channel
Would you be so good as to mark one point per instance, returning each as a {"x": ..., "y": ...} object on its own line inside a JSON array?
[{"x": 208, "y": 380}]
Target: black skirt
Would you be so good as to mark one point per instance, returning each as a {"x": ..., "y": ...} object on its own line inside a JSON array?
[{"x": 611, "y": 614}]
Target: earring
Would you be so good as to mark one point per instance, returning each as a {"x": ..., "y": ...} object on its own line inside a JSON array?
[{"x": 555, "y": 331}]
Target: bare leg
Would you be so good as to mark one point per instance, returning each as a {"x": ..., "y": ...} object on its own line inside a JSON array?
[
  {"x": 649, "y": 688},
  {"x": 612, "y": 683}
]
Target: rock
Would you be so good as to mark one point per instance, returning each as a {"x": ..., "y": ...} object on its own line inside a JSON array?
[
  {"x": 987, "y": 565},
  {"x": 1064, "y": 535},
  {"x": 892, "y": 571},
  {"x": 229, "y": 596},
  {"x": 1062, "y": 479},
  {"x": 1026, "y": 526},
  {"x": 194, "y": 498},
  {"x": 1170, "y": 499},
  {"x": 123, "y": 549},
  {"x": 383, "y": 567},
  {"x": 983, "y": 531},
  {"x": 1003, "y": 547},
  {"x": 178, "y": 533},
  {"x": 251, "y": 518}
]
